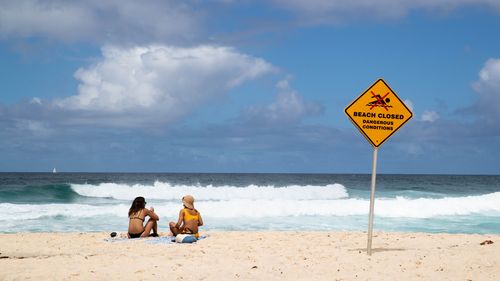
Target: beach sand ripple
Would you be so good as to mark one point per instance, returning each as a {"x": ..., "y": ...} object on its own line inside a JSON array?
[{"x": 251, "y": 256}]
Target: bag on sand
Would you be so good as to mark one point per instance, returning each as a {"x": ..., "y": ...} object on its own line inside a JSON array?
[{"x": 185, "y": 238}]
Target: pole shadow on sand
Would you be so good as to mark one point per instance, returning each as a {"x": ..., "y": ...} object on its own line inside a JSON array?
[{"x": 375, "y": 250}]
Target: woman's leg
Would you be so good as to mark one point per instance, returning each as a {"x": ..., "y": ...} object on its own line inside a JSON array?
[
  {"x": 150, "y": 225},
  {"x": 174, "y": 229},
  {"x": 155, "y": 228}
]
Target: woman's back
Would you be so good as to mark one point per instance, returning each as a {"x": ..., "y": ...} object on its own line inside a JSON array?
[
  {"x": 191, "y": 219},
  {"x": 136, "y": 220}
]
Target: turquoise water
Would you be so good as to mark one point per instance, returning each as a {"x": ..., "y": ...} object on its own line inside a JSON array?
[{"x": 68, "y": 202}]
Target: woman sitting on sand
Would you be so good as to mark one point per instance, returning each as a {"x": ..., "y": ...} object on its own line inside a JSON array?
[
  {"x": 136, "y": 214},
  {"x": 189, "y": 219}
]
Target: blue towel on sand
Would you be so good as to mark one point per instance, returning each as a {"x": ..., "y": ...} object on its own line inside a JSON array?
[
  {"x": 149, "y": 240},
  {"x": 160, "y": 240},
  {"x": 166, "y": 239}
]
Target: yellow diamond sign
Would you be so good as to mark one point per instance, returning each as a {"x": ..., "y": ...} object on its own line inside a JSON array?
[{"x": 378, "y": 113}]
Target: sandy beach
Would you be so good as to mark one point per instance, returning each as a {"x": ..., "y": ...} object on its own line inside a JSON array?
[{"x": 250, "y": 256}]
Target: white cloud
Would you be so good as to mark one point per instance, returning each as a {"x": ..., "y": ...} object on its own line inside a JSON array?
[
  {"x": 99, "y": 21},
  {"x": 170, "y": 21},
  {"x": 409, "y": 104},
  {"x": 157, "y": 84},
  {"x": 287, "y": 108},
  {"x": 283, "y": 85},
  {"x": 488, "y": 89},
  {"x": 489, "y": 77},
  {"x": 36, "y": 100},
  {"x": 36, "y": 128},
  {"x": 341, "y": 10},
  {"x": 430, "y": 116}
]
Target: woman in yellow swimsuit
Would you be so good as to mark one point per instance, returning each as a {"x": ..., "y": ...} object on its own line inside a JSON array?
[
  {"x": 137, "y": 213},
  {"x": 189, "y": 219}
]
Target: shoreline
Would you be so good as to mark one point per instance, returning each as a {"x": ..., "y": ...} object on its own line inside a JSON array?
[{"x": 255, "y": 255}]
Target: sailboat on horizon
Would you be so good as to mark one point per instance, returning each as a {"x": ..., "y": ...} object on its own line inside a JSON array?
[{"x": 54, "y": 171}]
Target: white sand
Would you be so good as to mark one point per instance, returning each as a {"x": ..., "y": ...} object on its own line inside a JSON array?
[{"x": 251, "y": 256}]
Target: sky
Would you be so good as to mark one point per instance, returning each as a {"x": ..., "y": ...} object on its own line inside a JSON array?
[{"x": 246, "y": 86}]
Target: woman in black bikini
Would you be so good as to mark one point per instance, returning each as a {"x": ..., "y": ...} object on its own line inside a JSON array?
[{"x": 136, "y": 215}]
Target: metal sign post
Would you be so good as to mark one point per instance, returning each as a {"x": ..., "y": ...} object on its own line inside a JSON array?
[{"x": 372, "y": 202}]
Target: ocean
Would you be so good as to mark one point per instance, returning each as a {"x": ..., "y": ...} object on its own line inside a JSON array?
[{"x": 89, "y": 202}]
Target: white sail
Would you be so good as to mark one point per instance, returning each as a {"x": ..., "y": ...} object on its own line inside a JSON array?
[{"x": 54, "y": 171}]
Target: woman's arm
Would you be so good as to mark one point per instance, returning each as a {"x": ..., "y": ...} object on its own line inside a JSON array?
[
  {"x": 181, "y": 219},
  {"x": 200, "y": 221}
]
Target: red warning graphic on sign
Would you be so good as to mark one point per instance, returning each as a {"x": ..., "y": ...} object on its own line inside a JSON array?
[{"x": 380, "y": 101}]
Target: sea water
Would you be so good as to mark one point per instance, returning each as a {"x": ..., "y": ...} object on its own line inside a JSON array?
[{"x": 83, "y": 202}]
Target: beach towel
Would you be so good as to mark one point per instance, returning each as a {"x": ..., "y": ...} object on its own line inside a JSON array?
[
  {"x": 149, "y": 240},
  {"x": 160, "y": 240},
  {"x": 172, "y": 239}
]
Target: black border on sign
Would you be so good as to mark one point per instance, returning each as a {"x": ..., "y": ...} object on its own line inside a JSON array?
[{"x": 359, "y": 128}]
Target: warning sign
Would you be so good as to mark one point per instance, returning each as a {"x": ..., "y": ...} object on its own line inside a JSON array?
[{"x": 378, "y": 113}]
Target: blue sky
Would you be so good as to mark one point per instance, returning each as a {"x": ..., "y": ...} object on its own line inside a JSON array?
[{"x": 246, "y": 86}]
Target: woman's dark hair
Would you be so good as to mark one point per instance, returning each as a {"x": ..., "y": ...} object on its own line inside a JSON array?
[{"x": 138, "y": 204}]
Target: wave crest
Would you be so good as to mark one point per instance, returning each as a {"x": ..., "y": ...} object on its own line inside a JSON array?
[
  {"x": 487, "y": 205},
  {"x": 166, "y": 191}
]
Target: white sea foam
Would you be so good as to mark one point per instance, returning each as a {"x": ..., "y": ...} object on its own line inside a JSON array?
[
  {"x": 37, "y": 211},
  {"x": 166, "y": 191},
  {"x": 399, "y": 207}
]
